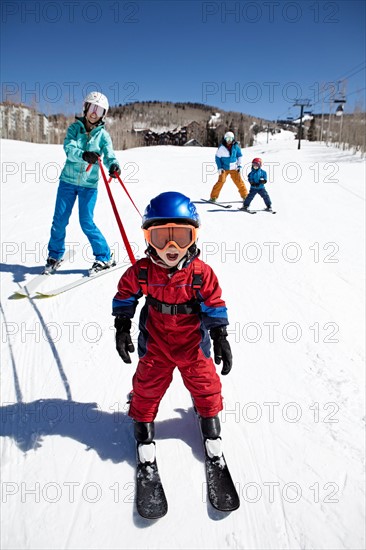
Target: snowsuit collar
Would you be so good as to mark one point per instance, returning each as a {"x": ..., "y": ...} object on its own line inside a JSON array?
[
  {"x": 228, "y": 147},
  {"x": 184, "y": 262}
]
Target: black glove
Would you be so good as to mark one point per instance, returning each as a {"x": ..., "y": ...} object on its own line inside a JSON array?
[
  {"x": 222, "y": 349},
  {"x": 90, "y": 157},
  {"x": 114, "y": 168},
  {"x": 263, "y": 180},
  {"x": 124, "y": 343}
]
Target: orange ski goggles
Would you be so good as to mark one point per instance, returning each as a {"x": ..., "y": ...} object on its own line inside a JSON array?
[{"x": 179, "y": 235}]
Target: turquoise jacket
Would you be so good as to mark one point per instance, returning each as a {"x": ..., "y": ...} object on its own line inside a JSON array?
[
  {"x": 77, "y": 141},
  {"x": 257, "y": 178}
]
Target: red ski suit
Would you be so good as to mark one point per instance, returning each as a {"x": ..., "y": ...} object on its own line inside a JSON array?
[{"x": 170, "y": 339}]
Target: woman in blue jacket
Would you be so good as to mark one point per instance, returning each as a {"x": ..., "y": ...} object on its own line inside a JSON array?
[
  {"x": 86, "y": 140},
  {"x": 257, "y": 179}
]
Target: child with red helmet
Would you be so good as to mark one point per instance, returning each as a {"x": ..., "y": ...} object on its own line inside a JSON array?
[
  {"x": 257, "y": 179},
  {"x": 183, "y": 308}
]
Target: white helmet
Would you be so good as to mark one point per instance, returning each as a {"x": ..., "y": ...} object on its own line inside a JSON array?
[
  {"x": 229, "y": 136},
  {"x": 96, "y": 98}
]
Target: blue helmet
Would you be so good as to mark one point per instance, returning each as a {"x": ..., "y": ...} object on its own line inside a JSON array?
[{"x": 170, "y": 207}]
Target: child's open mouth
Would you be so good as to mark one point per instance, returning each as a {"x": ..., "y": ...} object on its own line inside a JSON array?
[{"x": 172, "y": 256}]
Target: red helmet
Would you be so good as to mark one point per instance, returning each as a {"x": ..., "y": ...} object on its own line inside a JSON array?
[{"x": 258, "y": 161}]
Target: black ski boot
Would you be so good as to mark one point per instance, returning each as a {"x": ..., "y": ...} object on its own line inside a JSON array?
[
  {"x": 98, "y": 265},
  {"x": 144, "y": 432},
  {"x": 211, "y": 430},
  {"x": 210, "y": 427},
  {"x": 52, "y": 265},
  {"x": 144, "y": 435}
]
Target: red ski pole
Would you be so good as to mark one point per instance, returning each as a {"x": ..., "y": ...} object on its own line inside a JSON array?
[
  {"x": 127, "y": 193},
  {"x": 118, "y": 219},
  {"x": 123, "y": 187}
]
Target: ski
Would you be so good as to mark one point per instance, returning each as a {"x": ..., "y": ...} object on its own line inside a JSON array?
[
  {"x": 151, "y": 502},
  {"x": 220, "y": 486},
  {"x": 221, "y": 490},
  {"x": 34, "y": 283},
  {"x": 217, "y": 203},
  {"x": 261, "y": 210},
  {"x": 247, "y": 211},
  {"x": 265, "y": 210},
  {"x": 78, "y": 282}
]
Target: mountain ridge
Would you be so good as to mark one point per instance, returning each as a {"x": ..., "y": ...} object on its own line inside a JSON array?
[{"x": 137, "y": 124}]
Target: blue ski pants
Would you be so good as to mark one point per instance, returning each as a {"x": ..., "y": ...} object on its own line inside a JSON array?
[
  {"x": 262, "y": 192},
  {"x": 66, "y": 197}
]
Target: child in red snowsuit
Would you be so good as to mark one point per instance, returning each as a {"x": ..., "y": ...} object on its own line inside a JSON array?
[{"x": 183, "y": 307}]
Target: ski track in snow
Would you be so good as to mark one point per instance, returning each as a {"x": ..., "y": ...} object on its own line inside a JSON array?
[{"x": 66, "y": 433}]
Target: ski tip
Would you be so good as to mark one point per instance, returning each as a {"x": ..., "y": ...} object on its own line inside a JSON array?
[
  {"x": 152, "y": 511},
  {"x": 18, "y": 295},
  {"x": 227, "y": 509},
  {"x": 152, "y": 517}
]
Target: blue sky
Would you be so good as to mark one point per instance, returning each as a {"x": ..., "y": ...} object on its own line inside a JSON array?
[{"x": 255, "y": 57}]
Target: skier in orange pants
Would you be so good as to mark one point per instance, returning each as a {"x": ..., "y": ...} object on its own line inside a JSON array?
[{"x": 228, "y": 160}]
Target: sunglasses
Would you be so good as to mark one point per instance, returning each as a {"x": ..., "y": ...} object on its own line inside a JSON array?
[
  {"x": 99, "y": 111},
  {"x": 229, "y": 139},
  {"x": 162, "y": 236}
]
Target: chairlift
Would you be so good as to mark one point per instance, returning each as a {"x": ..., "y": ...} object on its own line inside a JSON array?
[
  {"x": 339, "y": 95},
  {"x": 339, "y": 98}
]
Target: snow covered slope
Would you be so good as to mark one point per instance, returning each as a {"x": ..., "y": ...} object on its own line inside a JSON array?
[{"x": 292, "y": 425}]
